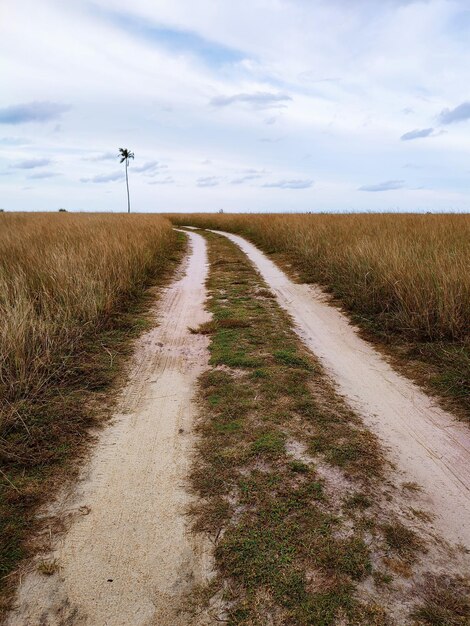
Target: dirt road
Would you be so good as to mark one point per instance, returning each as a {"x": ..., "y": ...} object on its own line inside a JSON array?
[
  {"x": 128, "y": 557},
  {"x": 427, "y": 444}
]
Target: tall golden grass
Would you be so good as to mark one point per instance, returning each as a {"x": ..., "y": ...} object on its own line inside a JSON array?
[
  {"x": 61, "y": 275},
  {"x": 407, "y": 273}
]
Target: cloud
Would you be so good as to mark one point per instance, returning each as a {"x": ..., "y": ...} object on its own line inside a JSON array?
[
  {"x": 258, "y": 100},
  {"x": 291, "y": 184},
  {"x": 14, "y": 141},
  {"x": 244, "y": 179},
  {"x": 105, "y": 156},
  {"x": 149, "y": 167},
  {"x": 248, "y": 174},
  {"x": 169, "y": 180},
  {"x": 40, "y": 175},
  {"x": 30, "y": 164},
  {"x": 32, "y": 112},
  {"x": 417, "y": 134},
  {"x": 208, "y": 181},
  {"x": 459, "y": 114},
  {"x": 412, "y": 166},
  {"x": 104, "y": 178},
  {"x": 388, "y": 185},
  {"x": 312, "y": 77},
  {"x": 271, "y": 120}
]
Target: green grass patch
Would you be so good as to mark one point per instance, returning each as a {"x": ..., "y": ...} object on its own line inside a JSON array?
[
  {"x": 290, "y": 358},
  {"x": 358, "y": 501},
  {"x": 269, "y": 444},
  {"x": 299, "y": 467}
]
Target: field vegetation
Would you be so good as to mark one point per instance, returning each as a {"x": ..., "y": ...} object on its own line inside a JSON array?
[
  {"x": 404, "y": 278},
  {"x": 72, "y": 294}
]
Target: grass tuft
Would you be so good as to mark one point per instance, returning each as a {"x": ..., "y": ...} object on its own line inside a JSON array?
[
  {"x": 48, "y": 568},
  {"x": 290, "y": 358},
  {"x": 402, "y": 540},
  {"x": 446, "y": 602},
  {"x": 208, "y": 328},
  {"x": 269, "y": 444}
]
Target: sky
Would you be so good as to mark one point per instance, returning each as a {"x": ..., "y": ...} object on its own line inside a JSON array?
[{"x": 255, "y": 105}]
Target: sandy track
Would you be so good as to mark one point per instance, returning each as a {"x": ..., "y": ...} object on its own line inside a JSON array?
[
  {"x": 426, "y": 443},
  {"x": 128, "y": 558}
]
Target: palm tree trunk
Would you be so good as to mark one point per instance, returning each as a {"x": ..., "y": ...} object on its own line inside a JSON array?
[{"x": 128, "y": 197}]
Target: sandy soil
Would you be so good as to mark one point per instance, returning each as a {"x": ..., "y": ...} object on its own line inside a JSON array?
[
  {"x": 127, "y": 556},
  {"x": 427, "y": 445}
]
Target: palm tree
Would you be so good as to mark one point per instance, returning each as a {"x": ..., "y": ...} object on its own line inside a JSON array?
[{"x": 125, "y": 156}]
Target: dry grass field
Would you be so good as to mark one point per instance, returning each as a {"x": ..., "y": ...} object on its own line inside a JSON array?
[
  {"x": 404, "y": 277},
  {"x": 70, "y": 292},
  {"x": 306, "y": 507},
  {"x": 61, "y": 276}
]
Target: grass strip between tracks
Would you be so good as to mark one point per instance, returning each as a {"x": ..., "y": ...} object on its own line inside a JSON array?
[{"x": 281, "y": 543}]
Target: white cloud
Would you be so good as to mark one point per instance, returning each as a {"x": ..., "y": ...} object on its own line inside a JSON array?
[
  {"x": 290, "y": 184},
  {"x": 346, "y": 110},
  {"x": 150, "y": 168},
  {"x": 105, "y": 156},
  {"x": 14, "y": 141},
  {"x": 41, "y": 175},
  {"x": 417, "y": 134},
  {"x": 32, "y": 112},
  {"x": 168, "y": 180},
  {"x": 29, "y": 164},
  {"x": 388, "y": 185},
  {"x": 208, "y": 181},
  {"x": 258, "y": 100},
  {"x": 459, "y": 114},
  {"x": 104, "y": 178}
]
